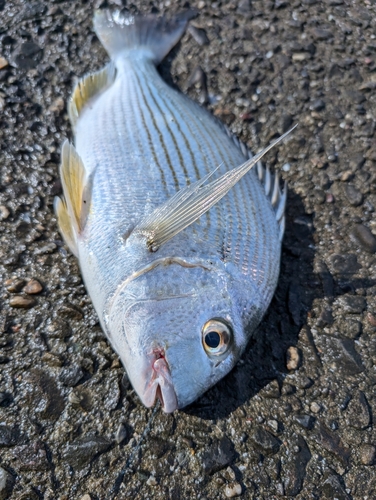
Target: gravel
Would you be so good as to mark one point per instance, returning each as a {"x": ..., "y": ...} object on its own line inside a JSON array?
[{"x": 295, "y": 417}]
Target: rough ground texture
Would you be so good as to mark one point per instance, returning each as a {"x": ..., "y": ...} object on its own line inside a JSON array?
[{"x": 295, "y": 417}]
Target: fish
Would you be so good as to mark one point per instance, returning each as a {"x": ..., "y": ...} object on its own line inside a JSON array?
[{"x": 177, "y": 227}]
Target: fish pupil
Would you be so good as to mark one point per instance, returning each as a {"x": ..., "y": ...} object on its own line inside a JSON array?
[{"x": 212, "y": 339}]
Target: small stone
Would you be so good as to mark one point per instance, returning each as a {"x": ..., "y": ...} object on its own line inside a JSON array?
[
  {"x": 71, "y": 375},
  {"x": 3, "y": 63},
  {"x": 82, "y": 451},
  {"x": 332, "y": 443},
  {"x": 294, "y": 469},
  {"x": 300, "y": 56},
  {"x": 121, "y": 433},
  {"x": 321, "y": 34},
  {"x": 371, "y": 318},
  {"x": 33, "y": 287},
  {"x": 86, "y": 497},
  {"x": 317, "y": 105},
  {"x": 358, "y": 412},
  {"x": 352, "y": 304},
  {"x": 27, "y": 55},
  {"x": 220, "y": 454},
  {"x": 332, "y": 488},
  {"x": 8, "y": 437},
  {"x": 45, "y": 249},
  {"x": 344, "y": 263},
  {"x": 58, "y": 329},
  {"x": 6, "y": 484},
  {"x": 152, "y": 481},
  {"x": 363, "y": 237},
  {"x": 315, "y": 407},
  {"x": 198, "y": 34},
  {"x": 4, "y": 212},
  {"x": 57, "y": 105},
  {"x": 354, "y": 196},
  {"x": 265, "y": 442},
  {"x": 367, "y": 454},
  {"x": 293, "y": 358},
  {"x": 22, "y": 302},
  {"x": 344, "y": 356},
  {"x": 233, "y": 490},
  {"x": 244, "y": 6},
  {"x": 305, "y": 421},
  {"x": 14, "y": 285}
]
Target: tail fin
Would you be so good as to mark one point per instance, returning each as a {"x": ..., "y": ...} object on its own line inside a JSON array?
[{"x": 154, "y": 35}]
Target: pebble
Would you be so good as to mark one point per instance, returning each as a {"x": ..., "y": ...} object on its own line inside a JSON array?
[
  {"x": 352, "y": 304},
  {"x": 315, "y": 407},
  {"x": 332, "y": 442},
  {"x": 233, "y": 490},
  {"x": 332, "y": 488},
  {"x": 151, "y": 481},
  {"x": 344, "y": 263},
  {"x": 220, "y": 454},
  {"x": 294, "y": 470},
  {"x": 266, "y": 442},
  {"x": 353, "y": 195},
  {"x": 293, "y": 358},
  {"x": 286, "y": 167},
  {"x": 86, "y": 497},
  {"x": 8, "y": 437},
  {"x": 362, "y": 236},
  {"x": 121, "y": 433},
  {"x": 71, "y": 375},
  {"x": 82, "y": 451},
  {"x": 14, "y": 285},
  {"x": 317, "y": 105},
  {"x": 3, "y": 62},
  {"x": 33, "y": 287},
  {"x": 371, "y": 319},
  {"x": 6, "y": 484},
  {"x": 306, "y": 421},
  {"x": 198, "y": 34},
  {"x": 27, "y": 55},
  {"x": 22, "y": 302},
  {"x": 358, "y": 412},
  {"x": 4, "y": 212},
  {"x": 344, "y": 356},
  {"x": 367, "y": 454}
]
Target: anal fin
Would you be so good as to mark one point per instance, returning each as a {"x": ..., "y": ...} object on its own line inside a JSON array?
[
  {"x": 65, "y": 224},
  {"x": 87, "y": 87},
  {"x": 72, "y": 212}
]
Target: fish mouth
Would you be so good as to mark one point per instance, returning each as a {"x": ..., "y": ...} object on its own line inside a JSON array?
[{"x": 160, "y": 385}]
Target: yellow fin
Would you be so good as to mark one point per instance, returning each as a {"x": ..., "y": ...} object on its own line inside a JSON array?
[
  {"x": 65, "y": 224},
  {"x": 76, "y": 186},
  {"x": 88, "y": 87}
]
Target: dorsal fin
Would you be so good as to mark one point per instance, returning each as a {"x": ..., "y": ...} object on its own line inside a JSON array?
[
  {"x": 87, "y": 87},
  {"x": 273, "y": 190}
]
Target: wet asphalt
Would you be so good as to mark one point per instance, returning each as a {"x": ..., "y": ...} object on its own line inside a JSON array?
[{"x": 295, "y": 418}]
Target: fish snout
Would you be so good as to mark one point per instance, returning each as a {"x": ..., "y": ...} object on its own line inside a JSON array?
[{"x": 160, "y": 384}]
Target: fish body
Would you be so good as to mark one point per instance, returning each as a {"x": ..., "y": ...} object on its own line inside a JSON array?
[{"x": 178, "y": 286}]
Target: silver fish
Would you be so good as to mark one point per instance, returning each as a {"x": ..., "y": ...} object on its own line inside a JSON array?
[{"x": 179, "y": 248}]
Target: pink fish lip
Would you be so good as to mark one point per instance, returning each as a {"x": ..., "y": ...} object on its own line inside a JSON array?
[{"x": 160, "y": 383}]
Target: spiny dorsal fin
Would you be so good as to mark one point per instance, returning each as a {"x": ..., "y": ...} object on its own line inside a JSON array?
[
  {"x": 188, "y": 204},
  {"x": 65, "y": 224},
  {"x": 88, "y": 87},
  {"x": 277, "y": 195},
  {"x": 76, "y": 187}
]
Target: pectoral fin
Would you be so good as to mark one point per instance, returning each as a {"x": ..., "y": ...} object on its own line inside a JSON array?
[
  {"x": 73, "y": 209},
  {"x": 188, "y": 204}
]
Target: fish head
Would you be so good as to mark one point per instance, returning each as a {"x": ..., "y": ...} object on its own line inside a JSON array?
[{"x": 178, "y": 331}]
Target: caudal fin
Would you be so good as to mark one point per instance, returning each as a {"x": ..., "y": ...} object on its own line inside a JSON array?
[{"x": 155, "y": 36}]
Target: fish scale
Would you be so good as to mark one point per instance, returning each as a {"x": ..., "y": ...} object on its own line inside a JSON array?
[{"x": 135, "y": 175}]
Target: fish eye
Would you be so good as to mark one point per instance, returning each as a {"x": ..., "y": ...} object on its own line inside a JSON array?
[{"x": 216, "y": 337}]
